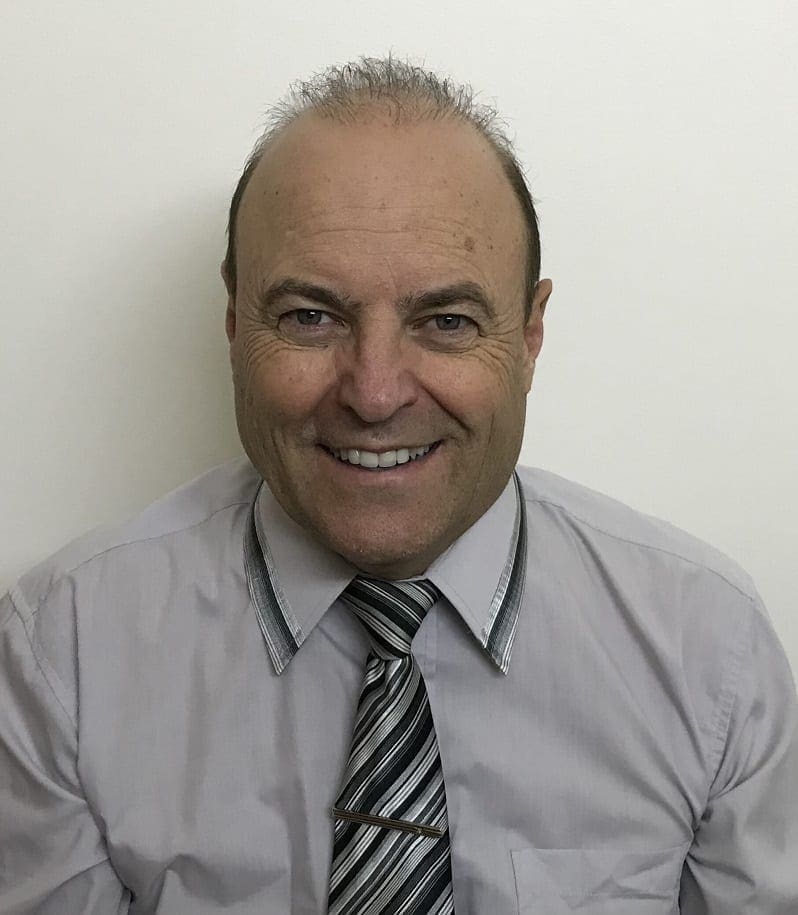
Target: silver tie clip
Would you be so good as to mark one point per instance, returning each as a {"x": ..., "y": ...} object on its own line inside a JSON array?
[{"x": 369, "y": 819}]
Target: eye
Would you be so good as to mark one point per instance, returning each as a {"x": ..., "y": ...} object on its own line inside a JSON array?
[
  {"x": 452, "y": 323},
  {"x": 309, "y": 317},
  {"x": 310, "y": 326},
  {"x": 300, "y": 319},
  {"x": 448, "y": 331}
]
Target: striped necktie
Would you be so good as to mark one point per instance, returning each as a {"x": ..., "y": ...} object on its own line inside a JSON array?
[{"x": 391, "y": 838}]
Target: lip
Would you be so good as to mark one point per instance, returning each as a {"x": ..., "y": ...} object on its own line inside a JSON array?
[{"x": 376, "y": 449}]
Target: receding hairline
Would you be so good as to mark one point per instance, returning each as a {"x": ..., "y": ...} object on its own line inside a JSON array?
[{"x": 302, "y": 129}]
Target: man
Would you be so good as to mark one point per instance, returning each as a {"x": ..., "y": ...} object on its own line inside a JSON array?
[{"x": 215, "y": 706}]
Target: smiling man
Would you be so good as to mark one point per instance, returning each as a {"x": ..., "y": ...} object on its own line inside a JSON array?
[
  {"x": 376, "y": 667},
  {"x": 381, "y": 339}
]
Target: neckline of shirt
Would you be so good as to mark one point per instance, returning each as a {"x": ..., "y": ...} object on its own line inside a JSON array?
[{"x": 481, "y": 575}]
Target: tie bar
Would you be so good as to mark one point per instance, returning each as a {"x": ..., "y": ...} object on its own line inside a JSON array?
[{"x": 369, "y": 819}]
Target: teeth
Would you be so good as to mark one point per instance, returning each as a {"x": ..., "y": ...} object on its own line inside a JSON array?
[
  {"x": 372, "y": 459},
  {"x": 369, "y": 459}
]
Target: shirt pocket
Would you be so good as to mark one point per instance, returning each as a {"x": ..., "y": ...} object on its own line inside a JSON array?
[{"x": 598, "y": 881}]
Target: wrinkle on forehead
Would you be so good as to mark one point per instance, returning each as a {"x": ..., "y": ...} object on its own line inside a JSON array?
[
  {"x": 352, "y": 257},
  {"x": 407, "y": 226}
]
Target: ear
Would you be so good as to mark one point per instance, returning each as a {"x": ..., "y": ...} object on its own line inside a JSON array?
[
  {"x": 533, "y": 331},
  {"x": 230, "y": 314}
]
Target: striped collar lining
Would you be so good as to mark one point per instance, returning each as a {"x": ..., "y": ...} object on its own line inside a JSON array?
[
  {"x": 499, "y": 631},
  {"x": 284, "y": 636}
]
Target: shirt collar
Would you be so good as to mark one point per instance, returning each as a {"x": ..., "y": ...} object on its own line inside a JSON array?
[{"x": 481, "y": 574}]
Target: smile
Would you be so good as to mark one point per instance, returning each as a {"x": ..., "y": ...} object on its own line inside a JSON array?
[{"x": 380, "y": 460}]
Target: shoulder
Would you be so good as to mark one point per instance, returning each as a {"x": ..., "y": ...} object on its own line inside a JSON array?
[
  {"x": 622, "y": 533},
  {"x": 192, "y": 507}
]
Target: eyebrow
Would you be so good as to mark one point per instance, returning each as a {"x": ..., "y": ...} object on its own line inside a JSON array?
[
  {"x": 441, "y": 297},
  {"x": 310, "y": 291},
  {"x": 450, "y": 295}
]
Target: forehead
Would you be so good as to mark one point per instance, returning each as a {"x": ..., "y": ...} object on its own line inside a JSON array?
[{"x": 427, "y": 196}]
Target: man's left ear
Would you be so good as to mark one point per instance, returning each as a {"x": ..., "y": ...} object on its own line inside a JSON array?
[{"x": 533, "y": 331}]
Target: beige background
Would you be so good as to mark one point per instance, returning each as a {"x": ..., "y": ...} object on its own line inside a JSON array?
[{"x": 660, "y": 140}]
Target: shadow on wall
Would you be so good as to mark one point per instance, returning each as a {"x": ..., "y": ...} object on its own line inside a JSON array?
[
  {"x": 130, "y": 393},
  {"x": 173, "y": 343}
]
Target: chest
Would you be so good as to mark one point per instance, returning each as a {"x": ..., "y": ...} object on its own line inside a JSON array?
[{"x": 214, "y": 778}]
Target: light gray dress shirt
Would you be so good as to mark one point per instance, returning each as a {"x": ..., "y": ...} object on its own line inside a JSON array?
[{"x": 616, "y": 718}]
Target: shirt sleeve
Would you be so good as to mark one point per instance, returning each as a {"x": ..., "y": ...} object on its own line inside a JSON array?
[
  {"x": 52, "y": 855},
  {"x": 744, "y": 857}
]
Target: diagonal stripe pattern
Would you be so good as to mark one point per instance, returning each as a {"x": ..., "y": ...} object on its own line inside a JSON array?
[{"x": 394, "y": 769}]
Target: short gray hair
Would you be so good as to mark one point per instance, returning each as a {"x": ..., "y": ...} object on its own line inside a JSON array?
[{"x": 409, "y": 93}]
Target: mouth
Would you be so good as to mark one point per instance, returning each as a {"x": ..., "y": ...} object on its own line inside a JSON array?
[{"x": 379, "y": 461}]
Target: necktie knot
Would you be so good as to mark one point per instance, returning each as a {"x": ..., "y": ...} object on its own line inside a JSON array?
[{"x": 390, "y": 611}]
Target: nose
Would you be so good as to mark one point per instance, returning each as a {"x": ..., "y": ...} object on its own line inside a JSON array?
[{"x": 376, "y": 375}]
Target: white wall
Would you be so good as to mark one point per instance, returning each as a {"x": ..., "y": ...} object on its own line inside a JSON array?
[{"x": 660, "y": 141}]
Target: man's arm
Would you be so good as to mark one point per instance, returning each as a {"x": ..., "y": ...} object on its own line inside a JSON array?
[
  {"x": 744, "y": 858},
  {"x": 53, "y": 858}
]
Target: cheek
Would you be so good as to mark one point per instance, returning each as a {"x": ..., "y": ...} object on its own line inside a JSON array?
[
  {"x": 480, "y": 391},
  {"x": 279, "y": 384}
]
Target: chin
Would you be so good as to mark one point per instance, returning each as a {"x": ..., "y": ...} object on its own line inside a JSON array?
[{"x": 383, "y": 559}]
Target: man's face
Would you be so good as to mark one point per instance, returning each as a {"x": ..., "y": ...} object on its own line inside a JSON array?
[{"x": 379, "y": 315}]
